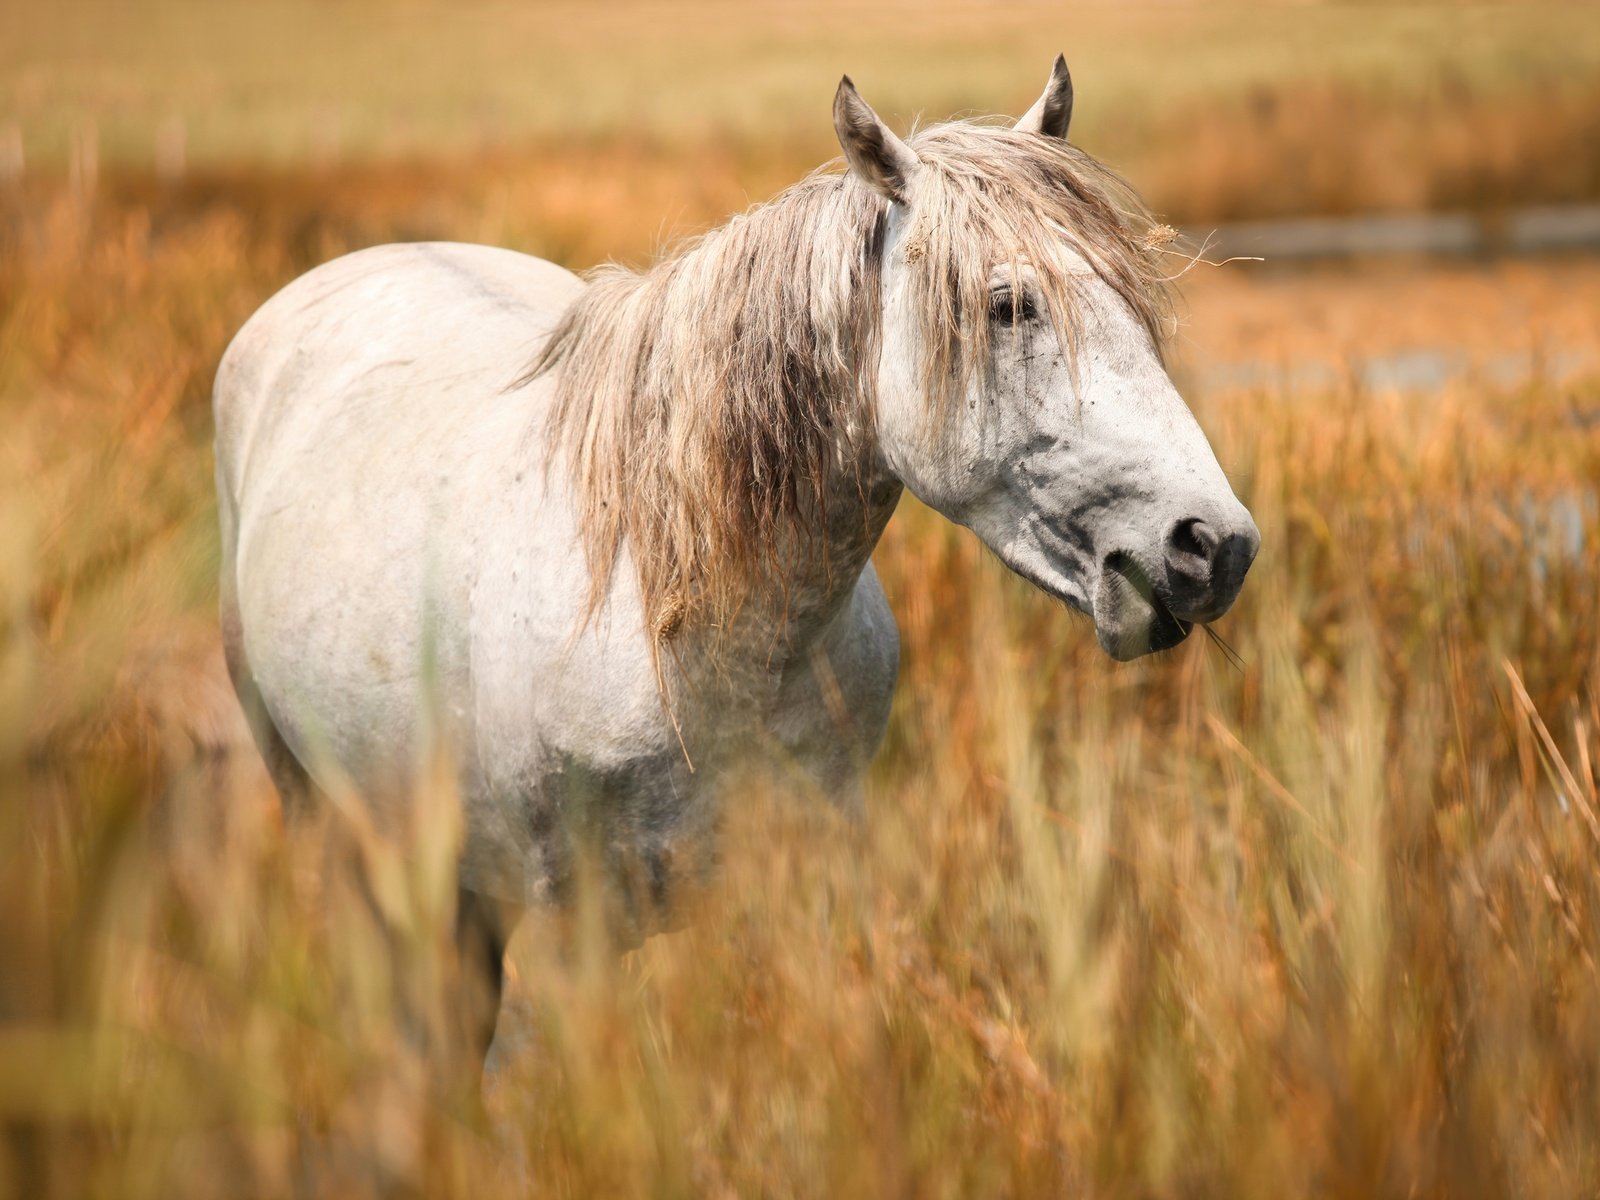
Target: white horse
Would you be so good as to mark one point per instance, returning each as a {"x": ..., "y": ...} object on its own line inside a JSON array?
[{"x": 608, "y": 538}]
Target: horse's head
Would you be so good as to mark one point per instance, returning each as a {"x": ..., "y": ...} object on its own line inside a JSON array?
[{"x": 1021, "y": 390}]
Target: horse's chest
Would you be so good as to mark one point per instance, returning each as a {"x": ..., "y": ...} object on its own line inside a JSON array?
[
  {"x": 578, "y": 760},
  {"x": 579, "y": 757}
]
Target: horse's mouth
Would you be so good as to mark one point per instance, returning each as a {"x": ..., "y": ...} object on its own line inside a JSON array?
[{"x": 1131, "y": 618}]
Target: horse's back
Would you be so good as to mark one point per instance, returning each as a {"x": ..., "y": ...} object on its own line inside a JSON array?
[
  {"x": 393, "y": 306},
  {"x": 368, "y": 460}
]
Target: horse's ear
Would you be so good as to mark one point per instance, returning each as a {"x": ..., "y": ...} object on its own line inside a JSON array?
[
  {"x": 870, "y": 146},
  {"x": 1052, "y": 112}
]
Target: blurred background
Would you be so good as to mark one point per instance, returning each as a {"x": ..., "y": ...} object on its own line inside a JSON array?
[{"x": 1319, "y": 922}]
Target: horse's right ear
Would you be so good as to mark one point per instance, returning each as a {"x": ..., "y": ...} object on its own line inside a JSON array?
[{"x": 870, "y": 147}]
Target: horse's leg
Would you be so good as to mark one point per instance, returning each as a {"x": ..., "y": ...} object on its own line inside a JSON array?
[
  {"x": 518, "y": 1057},
  {"x": 288, "y": 776},
  {"x": 295, "y": 790},
  {"x": 481, "y": 931}
]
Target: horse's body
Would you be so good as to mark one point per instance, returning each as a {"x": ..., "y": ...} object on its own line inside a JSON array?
[
  {"x": 396, "y": 567},
  {"x": 602, "y": 580}
]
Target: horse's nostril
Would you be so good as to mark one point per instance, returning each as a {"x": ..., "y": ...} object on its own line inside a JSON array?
[
  {"x": 1193, "y": 538},
  {"x": 1206, "y": 565}
]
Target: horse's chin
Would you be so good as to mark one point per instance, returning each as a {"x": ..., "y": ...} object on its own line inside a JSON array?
[{"x": 1130, "y": 617}]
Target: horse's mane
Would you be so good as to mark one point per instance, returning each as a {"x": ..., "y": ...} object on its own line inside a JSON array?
[{"x": 699, "y": 405}]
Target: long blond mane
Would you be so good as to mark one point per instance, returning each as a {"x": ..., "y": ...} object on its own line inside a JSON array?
[{"x": 700, "y": 405}]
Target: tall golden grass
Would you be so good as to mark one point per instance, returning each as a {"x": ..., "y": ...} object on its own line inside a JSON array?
[
  {"x": 1325, "y": 924},
  {"x": 289, "y": 81},
  {"x": 580, "y": 199}
]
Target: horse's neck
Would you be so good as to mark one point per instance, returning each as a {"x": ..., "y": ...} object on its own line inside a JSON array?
[
  {"x": 857, "y": 504},
  {"x": 825, "y": 560},
  {"x": 811, "y": 576}
]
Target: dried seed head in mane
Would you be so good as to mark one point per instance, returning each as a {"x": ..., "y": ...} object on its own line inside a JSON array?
[{"x": 702, "y": 407}]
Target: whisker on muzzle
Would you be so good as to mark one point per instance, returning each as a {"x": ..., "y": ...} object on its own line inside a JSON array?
[{"x": 1228, "y": 652}]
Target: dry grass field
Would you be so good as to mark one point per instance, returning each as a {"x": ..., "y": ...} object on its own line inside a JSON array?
[
  {"x": 1376, "y": 106},
  {"x": 1324, "y": 923}
]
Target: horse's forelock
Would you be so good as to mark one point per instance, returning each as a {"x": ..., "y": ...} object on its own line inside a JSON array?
[{"x": 996, "y": 197}]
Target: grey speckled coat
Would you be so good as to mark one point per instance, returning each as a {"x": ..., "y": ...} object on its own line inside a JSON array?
[{"x": 398, "y": 568}]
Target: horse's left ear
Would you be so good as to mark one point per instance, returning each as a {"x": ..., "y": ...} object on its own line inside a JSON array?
[{"x": 1052, "y": 112}]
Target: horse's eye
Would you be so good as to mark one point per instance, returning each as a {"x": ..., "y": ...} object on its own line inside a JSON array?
[{"x": 1006, "y": 307}]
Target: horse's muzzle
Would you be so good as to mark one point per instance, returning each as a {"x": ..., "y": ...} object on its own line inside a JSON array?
[{"x": 1139, "y": 609}]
